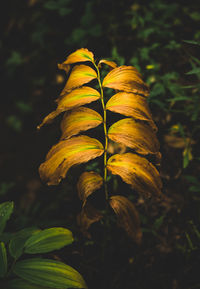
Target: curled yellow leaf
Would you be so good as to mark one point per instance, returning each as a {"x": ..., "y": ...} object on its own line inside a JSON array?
[
  {"x": 135, "y": 135},
  {"x": 79, "y": 75},
  {"x": 136, "y": 171},
  {"x": 88, "y": 183},
  {"x": 87, "y": 217},
  {"x": 111, "y": 64},
  {"x": 80, "y": 55},
  {"x": 130, "y": 104},
  {"x": 80, "y": 119},
  {"x": 75, "y": 98},
  {"x": 127, "y": 216},
  {"x": 66, "y": 154},
  {"x": 126, "y": 78}
]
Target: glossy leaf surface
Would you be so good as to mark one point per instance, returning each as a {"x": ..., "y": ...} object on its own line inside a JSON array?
[
  {"x": 3, "y": 260},
  {"x": 127, "y": 215},
  {"x": 49, "y": 273},
  {"x": 88, "y": 183},
  {"x": 75, "y": 98},
  {"x": 126, "y": 78},
  {"x": 135, "y": 135},
  {"x": 48, "y": 240},
  {"x": 130, "y": 104},
  {"x": 136, "y": 171},
  {"x": 78, "y": 120},
  {"x": 6, "y": 210},
  {"x": 67, "y": 153},
  {"x": 16, "y": 245}
]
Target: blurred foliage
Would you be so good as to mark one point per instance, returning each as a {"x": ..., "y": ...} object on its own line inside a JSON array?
[{"x": 162, "y": 39}]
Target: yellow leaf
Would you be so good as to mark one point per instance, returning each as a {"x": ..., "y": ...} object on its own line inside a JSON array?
[
  {"x": 128, "y": 217},
  {"x": 78, "y": 120},
  {"x": 79, "y": 55},
  {"x": 130, "y": 104},
  {"x": 136, "y": 171},
  {"x": 75, "y": 98},
  {"x": 111, "y": 64},
  {"x": 88, "y": 183},
  {"x": 126, "y": 78},
  {"x": 66, "y": 154},
  {"x": 79, "y": 75},
  {"x": 135, "y": 135},
  {"x": 87, "y": 217},
  {"x": 64, "y": 67}
]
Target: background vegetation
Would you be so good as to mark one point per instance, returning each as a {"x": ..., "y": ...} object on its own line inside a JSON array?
[{"x": 162, "y": 39}]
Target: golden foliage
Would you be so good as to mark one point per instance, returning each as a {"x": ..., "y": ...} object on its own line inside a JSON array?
[
  {"x": 88, "y": 183},
  {"x": 136, "y": 171},
  {"x": 111, "y": 64},
  {"x": 126, "y": 78},
  {"x": 127, "y": 216}
]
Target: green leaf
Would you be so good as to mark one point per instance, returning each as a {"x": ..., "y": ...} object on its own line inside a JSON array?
[
  {"x": 195, "y": 70},
  {"x": 22, "y": 284},
  {"x": 3, "y": 260},
  {"x": 49, "y": 273},
  {"x": 6, "y": 210},
  {"x": 17, "y": 243},
  {"x": 48, "y": 240}
]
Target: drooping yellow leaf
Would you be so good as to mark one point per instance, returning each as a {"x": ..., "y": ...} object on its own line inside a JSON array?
[
  {"x": 136, "y": 171},
  {"x": 126, "y": 78},
  {"x": 127, "y": 216},
  {"x": 75, "y": 98},
  {"x": 130, "y": 104},
  {"x": 111, "y": 64},
  {"x": 87, "y": 217},
  {"x": 80, "y": 55},
  {"x": 80, "y": 119},
  {"x": 79, "y": 75},
  {"x": 88, "y": 183},
  {"x": 135, "y": 135},
  {"x": 66, "y": 154}
]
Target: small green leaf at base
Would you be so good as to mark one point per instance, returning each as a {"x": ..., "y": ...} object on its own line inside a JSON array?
[
  {"x": 3, "y": 260},
  {"x": 6, "y": 210}
]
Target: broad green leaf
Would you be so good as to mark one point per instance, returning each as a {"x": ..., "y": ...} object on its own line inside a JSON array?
[
  {"x": 6, "y": 210},
  {"x": 3, "y": 260},
  {"x": 16, "y": 245},
  {"x": 74, "y": 99},
  {"x": 48, "y": 240},
  {"x": 22, "y": 284},
  {"x": 126, "y": 78},
  {"x": 49, "y": 273},
  {"x": 88, "y": 183},
  {"x": 135, "y": 135},
  {"x": 67, "y": 153},
  {"x": 195, "y": 70},
  {"x": 78, "y": 120},
  {"x": 130, "y": 104},
  {"x": 127, "y": 215},
  {"x": 137, "y": 172},
  {"x": 79, "y": 75}
]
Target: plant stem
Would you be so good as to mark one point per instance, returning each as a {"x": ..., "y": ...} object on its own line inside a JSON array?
[{"x": 105, "y": 130}]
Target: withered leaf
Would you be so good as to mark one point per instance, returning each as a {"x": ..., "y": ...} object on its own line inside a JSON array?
[
  {"x": 80, "y": 55},
  {"x": 130, "y": 104},
  {"x": 111, "y": 64},
  {"x": 66, "y": 154},
  {"x": 75, "y": 98},
  {"x": 79, "y": 75},
  {"x": 136, "y": 171},
  {"x": 88, "y": 183},
  {"x": 65, "y": 67},
  {"x": 126, "y": 78},
  {"x": 80, "y": 119},
  {"x": 135, "y": 135},
  {"x": 127, "y": 216},
  {"x": 87, "y": 217}
]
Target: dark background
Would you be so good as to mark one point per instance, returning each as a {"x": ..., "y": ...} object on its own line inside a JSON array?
[{"x": 160, "y": 38}]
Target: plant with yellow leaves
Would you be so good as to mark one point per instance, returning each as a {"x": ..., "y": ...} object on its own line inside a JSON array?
[{"x": 137, "y": 133}]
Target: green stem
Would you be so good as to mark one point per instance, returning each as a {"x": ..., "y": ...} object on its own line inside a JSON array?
[{"x": 105, "y": 131}]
